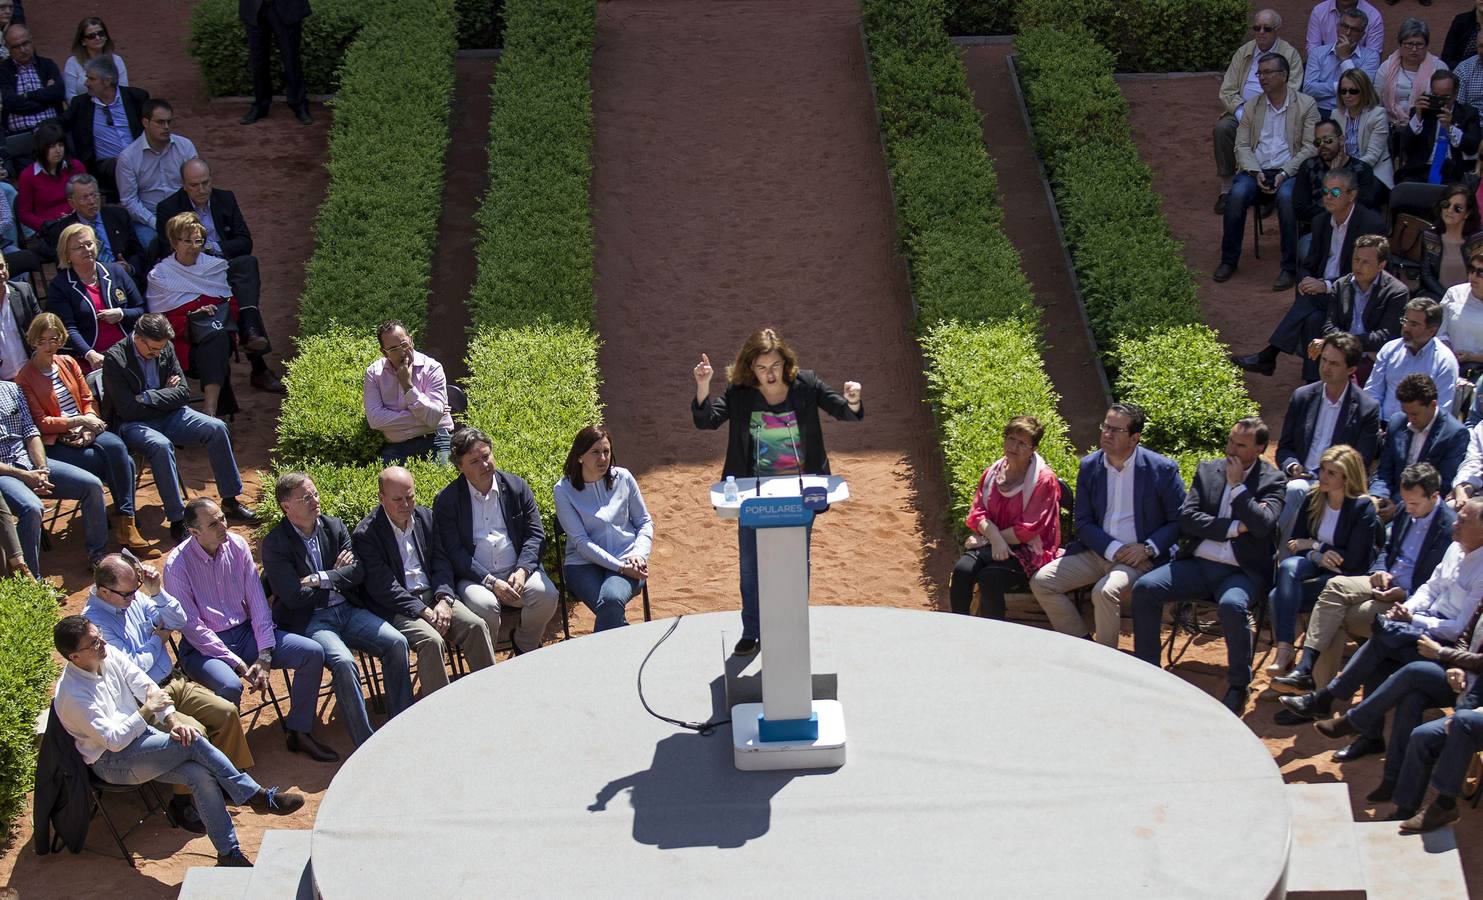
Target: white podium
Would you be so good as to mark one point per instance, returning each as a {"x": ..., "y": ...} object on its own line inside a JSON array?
[{"x": 789, "y": 729}]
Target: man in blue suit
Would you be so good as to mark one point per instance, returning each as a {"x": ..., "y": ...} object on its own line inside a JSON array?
[
  {"x": 1127, "y": 522},
  {"x": 1418, "y": 433}
]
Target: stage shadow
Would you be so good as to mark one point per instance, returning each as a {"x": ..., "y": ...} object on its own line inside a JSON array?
[{"x": 692, "y": 794}]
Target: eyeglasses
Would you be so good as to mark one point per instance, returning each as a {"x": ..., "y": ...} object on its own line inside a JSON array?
[
  {"x": 1413, "y": 45},
  {"x": 1263, "y": 29},
  {"x": 1262, "y": 73},
  {"x": 310, "y": 497},
  {"x": 129, "y": 593},
  {"x": 94, "y": 35},
  {"x": 1349, "y": 90},
  {"x": 1112, "y": 429},
  {"x": 108, "y": 116},
  {"x": 1325, "y": 141},
  {"x": 403, "y": 347},
  {"x": 1015, "y": 442},
  {"x": 1456, "y": 208},
  {"x": 51, "y": 339},
  {"x": 1332, "y": 192},
  {"x": 94, "y": 645},
  {"x": 193, "y": 242},
  {"x": 1475, "y": 270}
]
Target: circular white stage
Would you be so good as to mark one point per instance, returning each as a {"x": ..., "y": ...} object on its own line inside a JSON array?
[{"x": 984, "y": 758}]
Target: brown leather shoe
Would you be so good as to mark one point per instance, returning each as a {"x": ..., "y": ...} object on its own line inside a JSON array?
[
  {"x": 276, "y": 802},
  {"x": 126, "y": 534},
  {"x": 1430, "y": 819},
  {"x": 303, "y": 742}
]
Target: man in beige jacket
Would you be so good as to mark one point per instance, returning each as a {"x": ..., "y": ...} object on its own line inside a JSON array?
[{"x": 1240, "y": 86}]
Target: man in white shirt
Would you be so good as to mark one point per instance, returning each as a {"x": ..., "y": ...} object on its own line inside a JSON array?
[
  {"x": 1416, "y": 350},
  {"x": 1240, "y": 86},
  {"x": 111, "y": 709}
]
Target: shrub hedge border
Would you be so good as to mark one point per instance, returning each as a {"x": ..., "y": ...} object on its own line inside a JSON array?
[
  {"x": 28, "y": 669},
  {"x": 978, "y": 327}
]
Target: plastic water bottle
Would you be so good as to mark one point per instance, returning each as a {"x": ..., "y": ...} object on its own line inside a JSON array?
[{"x": 729, "y": 492}]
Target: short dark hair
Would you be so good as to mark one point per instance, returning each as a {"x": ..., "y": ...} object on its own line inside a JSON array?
[
  {"x": 1377, "y": 242},
  {"x": 153, "y": 105},
  {"x": 287, "y": 483},
  {"x": 1348, "y": 345},
  {"x": 1356, "y": 13},
  {"x": 1258, "y": 428},
  {"x": 463, "y": 442},
  {"x": 1134, "y": 413},
  {"x": 1029, "y": 426},
  {"x": 1424, "y": 305},
  {"x": 583, "y": 442},
  {"x": 70, "y": 634},
  {"x": 154, "y": 327},
  {"x": 388, "y": 327},
  {"x": 47, "y": 135},
  {"x": 1417, "y": 387},
  {"x": 1330, "y": 123},
  {"x": 1423, "y": 475},
  {"x": 1345, "y": 177},
  {"x": 1269, "y": 56},
  {"x": 1446, "y": 75},
  {"x": 193, "y": 510}
]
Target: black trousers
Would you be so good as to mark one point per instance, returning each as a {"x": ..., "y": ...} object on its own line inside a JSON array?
[
  {"x": 994, "y": 578},
  {"x": 270, "y": 29}
]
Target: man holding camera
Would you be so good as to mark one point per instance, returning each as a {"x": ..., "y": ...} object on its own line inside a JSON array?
[{"x": 1443, "y": 134}]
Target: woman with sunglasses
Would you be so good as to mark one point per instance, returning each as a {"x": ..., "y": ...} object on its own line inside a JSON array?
[
  {"x": 1462, "y": 318},
  {"x": 1407, "y": 73},
  {"x": 1454, "y": 221},
  {"x": 90, "y": 42},
  {"x": 1366, "y": 127}
]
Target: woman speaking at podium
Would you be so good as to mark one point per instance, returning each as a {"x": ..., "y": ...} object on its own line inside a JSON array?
[{"x": 773, "y": 407}]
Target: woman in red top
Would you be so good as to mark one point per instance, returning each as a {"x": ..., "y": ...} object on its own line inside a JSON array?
[
  {"x": 42, "y": 190},
  {"x": 1016, "y": 523},
  {"x": 190, "y": 286}
]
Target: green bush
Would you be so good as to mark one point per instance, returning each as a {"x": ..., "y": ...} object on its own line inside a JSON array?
[
  {"x": 480, "y": 23},
  {"x": 219, "y": 44},
  {"x": 979, "y": 328},
  {"x": 323, "y": 418},
  {"x": 980, "y": 16},
  {"x": 349, "y": 492},
  {"x": 28, "y": 669},
  {"x": 1183, "y": 369}
]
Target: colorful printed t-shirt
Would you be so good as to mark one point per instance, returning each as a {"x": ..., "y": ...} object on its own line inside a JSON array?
[{"x": 778, "y": 442}]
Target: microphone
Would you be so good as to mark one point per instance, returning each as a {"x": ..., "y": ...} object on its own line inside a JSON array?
[{"x": 816, "y": 498}]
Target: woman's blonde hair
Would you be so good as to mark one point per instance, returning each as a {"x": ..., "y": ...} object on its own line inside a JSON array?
[
  {"x": 64, "y": 258},
  {"x": 1348, "y": 461},
  {"x": 42, "y": 324},
  {"x": 180, "y": 225}
]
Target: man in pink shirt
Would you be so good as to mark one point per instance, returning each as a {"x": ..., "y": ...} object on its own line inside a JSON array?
[{"x": 406, "y": 398}]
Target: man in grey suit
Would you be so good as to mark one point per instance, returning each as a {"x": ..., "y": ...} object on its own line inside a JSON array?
[{"x": 281, "y": 22}]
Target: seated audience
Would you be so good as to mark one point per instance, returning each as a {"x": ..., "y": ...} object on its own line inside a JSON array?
[
  {"x": 1442, "y": 750},
  {"x": 1241, "y": 85},
  {"x": 20, "y": 261},
  {"x": 491, "y": 531},
  {"x": 1332, "y": 156},
  {"x": 1335, "y": 535},
  {"x": 61, "y": 404},
  {"x": 316, "y": 581},
  {"x": 148, "y": 170},
  {"x": 1420, "y": 432},
  {"x": 1462, "y": 36},
  {"x": 1462, "y": 320},
  {"x": 608, "y": 529},
  {"x": 18, "y": 307},
  {"x": 96, "y": 301},
  {"x": 1347, "y": 51},
  {"x": 112, "y": 710},
  {"x": 1441, "y": 609},
  {"x": 1440, "y": 136},
  {"x": 132, "y": 612},
  {"x": 1014, "y": 523},
  {"x": 1406, "y": 74},
  {"x": 406, "y": 398},
  {"x": 105, "y": 120},
  {"x": 1470, "y": 79},
  {"x": 91, "y": 42},
  {"x": 1469, "y": 479},
  {"x": 42, "y": 189},
  {"x": 1419, "y": 534},
  {"x": 1366, "y": 128},
  {"x": 1325, "y": 19},
  {"x": 1368, "y": 302},
  {"x": 1267, "y": 164},
  {"x": 228, "y": 622},
  {"x": 1127, "y": 522},
  {"x": 1231, "y": 512},
  {"x": 10, "y": 13},
  {"x": 145, "y": 397},
  {"x": 115, "y": 237},
  {"x": 1417, "y": 350},
  {"x": 1445, "y": 246},
  {"x": 31, "y": 87},
  {"x": 408, "y": 582}
]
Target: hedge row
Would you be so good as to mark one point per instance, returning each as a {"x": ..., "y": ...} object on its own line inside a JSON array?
[
  {"x": 532, "y": 348},
  {"x": 1139, "y": 295},
  {"x": 28, "y": 669},
  {"x": 1146, "y": 35},
  {"x": 978, "y": 325},
  {"x": 219, "y": 42}
]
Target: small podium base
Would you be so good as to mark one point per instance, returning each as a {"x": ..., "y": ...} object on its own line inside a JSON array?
[{"x": 754, "y": 755}]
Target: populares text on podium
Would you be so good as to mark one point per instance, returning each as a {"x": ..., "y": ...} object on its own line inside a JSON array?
[{"x": 799, "y": 723}]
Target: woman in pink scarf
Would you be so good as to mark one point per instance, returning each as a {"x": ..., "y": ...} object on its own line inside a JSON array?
[
  {"x": 1407, "y": 73},
  {"x": 1016, "y": 523}
]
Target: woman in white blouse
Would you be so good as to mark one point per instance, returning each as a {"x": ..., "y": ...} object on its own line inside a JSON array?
[
  {"x": 92, "y": 40},
  {"x": 1462, "y": 318}
]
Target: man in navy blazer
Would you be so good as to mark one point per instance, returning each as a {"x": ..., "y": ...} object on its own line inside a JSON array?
[
  {"x": 1420, "y": 432},
  {"x": 408, "y": 581},
  {"x": 1127, "y": 522},
  {"x": 491, "y": 532},
  {"x": 1229, "y": 521}
]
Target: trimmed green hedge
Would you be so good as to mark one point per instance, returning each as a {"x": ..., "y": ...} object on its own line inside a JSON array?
[
  {"x": 349, "y": 492},
  {"x": 28, "y": 669},
  {"x": 1139, "y": 294},
  {"x": 979, "y": 328},
  {"x": 323, "y": 417}
]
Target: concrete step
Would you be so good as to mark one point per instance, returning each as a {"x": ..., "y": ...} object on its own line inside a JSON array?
[
  {"x": 211, "y": 883},
  {"x": 282, "y": 867},
  {"x": 1404, "y": 867},
  {"x": 1323, "y": 860}
]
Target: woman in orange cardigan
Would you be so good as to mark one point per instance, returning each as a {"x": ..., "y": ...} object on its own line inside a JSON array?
[{"x": 63, "y": 407}]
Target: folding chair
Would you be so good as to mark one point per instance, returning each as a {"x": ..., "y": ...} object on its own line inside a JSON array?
[{"x": 558, "y": 541}]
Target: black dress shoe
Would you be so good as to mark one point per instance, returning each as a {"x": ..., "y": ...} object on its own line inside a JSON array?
[
  {"x": 268, "y": 380},
  {"x": 303, "y": 742},
  {"x": 1294, "y": 683},
  {"x": 302, "y": 114},
  {"x": 746, "y": 647},
  {"x": 183, "y": 814},
  {"x": 235, "y": 859},
  {"x": 253, "y": 115},
  {"x": 1255, "y": 362},
  {"x": 1235, "y": 698},
  {"x": 1337, "y": 727},
  {"x": 1382, "y": 794},
  {"x": 1284, "y": 282},
  {"x": 1223, "y": 272},
  {"x": 1307, "y": 706},
  {"x": 235, "y": 510},
  {"x": 1361, "y": 748}
]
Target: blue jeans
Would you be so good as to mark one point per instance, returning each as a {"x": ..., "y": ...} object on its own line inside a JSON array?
[
  {"x": 290, "y": 651},
  {"x": 1441, "y": 751},
  {"x": 746, "y": 541},
  {"x": 145, "y": 233},
  {"x": 337, "y": 629},
  {"x": 604, "y": 591},
  {"x": 1244, "y": 194},
  {"x": 1411, "y": 691},
  {"x": 1299, "y": 583},
  {"x": 438, "y": 445},
  {"x": 1197, "y": 579},
  {"x": 188, "y": 428},
  {"x": 155, "y": 756},
  {"x": 108, "y": 458},
  {"x": 68, "y": 483}
]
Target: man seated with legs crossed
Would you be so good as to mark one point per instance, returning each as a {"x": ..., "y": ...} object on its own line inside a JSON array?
[
  {"x": 228, "y": 622},
  {"x": 408, "y": 581},
  {"x": 490, "y": 528},
  {"x": 314, "y": 574},
  {"x": 1127, "y": 522},
  {"x": 1443, "y": 748},
  {"x": 1229, "y": 519},
  {"x": 134, "y": 614},
  {"x": 128, "y": 732},
  {"x": 1440, "y": 609}
]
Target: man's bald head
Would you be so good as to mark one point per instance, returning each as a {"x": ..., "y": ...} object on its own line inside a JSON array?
[
  {"x": 398, "y": 495},
  {"x": 195, "y": 177}
]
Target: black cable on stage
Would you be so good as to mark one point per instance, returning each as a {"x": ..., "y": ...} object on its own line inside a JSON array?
[{"x": 704, "y": 728}]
